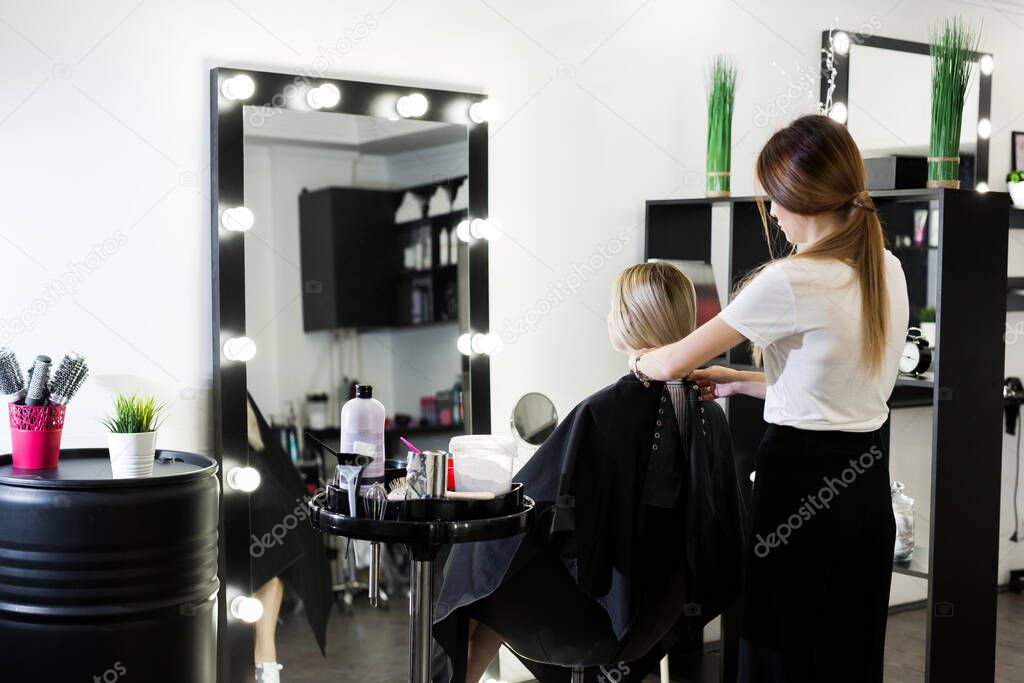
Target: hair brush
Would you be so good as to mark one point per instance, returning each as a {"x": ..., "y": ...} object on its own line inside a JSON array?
[
  {"x": 12, "y": 382},
  {"x": 67, "y": 378},
  {"x": 38, "y": 378}
]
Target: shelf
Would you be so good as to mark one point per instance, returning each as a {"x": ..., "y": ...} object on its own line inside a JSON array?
[
  {"x": 426, "y": 429},
  {"x": 925, "y": 381},
  {"x": 1016, "y": 218},
  {"x": 917, "y": 565}
]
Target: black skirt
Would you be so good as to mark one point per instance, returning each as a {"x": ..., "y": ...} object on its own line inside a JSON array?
[{"x": 819, "y": 559}]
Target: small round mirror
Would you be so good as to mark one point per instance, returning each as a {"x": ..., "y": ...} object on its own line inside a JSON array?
[{"x": 534, "y": 418}]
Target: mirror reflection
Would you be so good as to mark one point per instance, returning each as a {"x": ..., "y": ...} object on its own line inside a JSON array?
[
  {"x": 889, "y": 115},
  {"x": 351, "y": 279},
  {"x": 534, "y": 418}
]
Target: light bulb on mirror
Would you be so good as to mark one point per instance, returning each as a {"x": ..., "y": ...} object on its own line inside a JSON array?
[
  {"x": 237, "y": 219},
  {"x": 412, "y": 106},
  {"x": 244, "y": 479},
  {"x": 986, "y": 64},
  {"x": 486, "y": 343},
  {"x": 325, "y": 96},
  {"x": 465, "y": 344},
  {"x": 241, "y": 349},
  {"x": 484, "y": 229},
  {"x": 981, "y": 187},
  {"x": 838, "y": 112},
  {"x": 841, "y": 42},
  {"x": 482, "y": 112},
  {"x": 247, "y": 609},
  {"x": 464, "y": 232},
  {"x": 984, "y": 128},
  {"x": 240, "y": 87}
]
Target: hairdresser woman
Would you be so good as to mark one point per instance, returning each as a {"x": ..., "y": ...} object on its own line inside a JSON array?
[{"x": 828, "y": 321}]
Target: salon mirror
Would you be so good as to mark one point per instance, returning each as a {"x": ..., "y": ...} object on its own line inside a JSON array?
[
  {"x": 338, "y": 261},
  {"x": 534, "y": 418},
  {"x": 882, "y": 91}
]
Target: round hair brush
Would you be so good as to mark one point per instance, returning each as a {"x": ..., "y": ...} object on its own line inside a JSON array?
[
  {"x": 67, "y": 378},
  {"x": 38, "y": 379},
  {"x": 12, "y": 382}
]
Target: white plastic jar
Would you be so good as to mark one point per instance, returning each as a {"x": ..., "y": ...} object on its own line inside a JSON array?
[{"x": 483, "y": 462}]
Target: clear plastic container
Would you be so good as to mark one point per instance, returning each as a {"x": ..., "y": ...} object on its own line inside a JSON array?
[
  {"x": 483, "y": 463},
  {"x": 903, "y": 511}
]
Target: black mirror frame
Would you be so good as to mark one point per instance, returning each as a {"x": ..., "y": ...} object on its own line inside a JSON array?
[
  {"x": 236, "y": 639},
  {"x": 841, "y": 63}
]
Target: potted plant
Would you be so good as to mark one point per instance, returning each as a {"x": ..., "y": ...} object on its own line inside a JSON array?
[
  {"x": 721, "y": 95},
  {"x": 952, "y": 53},
  {"x": 132, "y": 437},
  {"x": 927, "y": 316},
  {"x": 1015, "y": 185}
]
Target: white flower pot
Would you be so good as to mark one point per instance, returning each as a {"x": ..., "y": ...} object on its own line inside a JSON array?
[
  {"x": 1016, "y": 194},
  {"x": 131, "y": 455},
  {"x": 928, "y": 332}
]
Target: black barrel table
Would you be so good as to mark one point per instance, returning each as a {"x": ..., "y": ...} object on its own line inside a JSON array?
[
  {"x": 424, "y": 526},
  {"x": 109, "y": 579}
]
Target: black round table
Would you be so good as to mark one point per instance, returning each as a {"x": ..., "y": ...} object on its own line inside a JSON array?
[
  {"x": 434, "y": 523},
  {"x": 101, "y": 577}
]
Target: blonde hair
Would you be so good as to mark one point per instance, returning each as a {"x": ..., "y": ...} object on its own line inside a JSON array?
[{"x": 653, "y": 304}]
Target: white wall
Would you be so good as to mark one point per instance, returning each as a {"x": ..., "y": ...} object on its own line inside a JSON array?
[{"x": 104, "y": 126}]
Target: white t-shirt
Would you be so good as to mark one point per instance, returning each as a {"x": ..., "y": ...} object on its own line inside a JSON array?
[{"x": 805, "y": 313}]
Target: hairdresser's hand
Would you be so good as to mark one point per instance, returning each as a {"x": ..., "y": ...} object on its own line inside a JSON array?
[{"x": 719, "y": 382}]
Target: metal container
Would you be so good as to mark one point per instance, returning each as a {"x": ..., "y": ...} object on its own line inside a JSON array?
[
  {"x": 426, "y": 474},
  {"x": 109, "y": 579}
]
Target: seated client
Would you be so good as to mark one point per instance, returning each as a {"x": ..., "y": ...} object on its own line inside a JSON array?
[{"x": 637, "y": 539}]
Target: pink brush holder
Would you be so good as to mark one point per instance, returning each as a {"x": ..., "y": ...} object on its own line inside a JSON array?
[{"x": 35, "y": 436}]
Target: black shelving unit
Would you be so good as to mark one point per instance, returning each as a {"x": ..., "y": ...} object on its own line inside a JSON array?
[
  {"x": 960, "y": 560},
  {"x": 353, "y": 274}
]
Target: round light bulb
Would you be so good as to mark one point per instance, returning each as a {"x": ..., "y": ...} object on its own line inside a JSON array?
[
  {"x": 463, "y": 231},
  {"x": 982, "y": 187},
  {"x": 984, "y": 128},
  {"x": 481, "y": 112},
  {"x": 484, "y": 229},
  {"x": 986, "y": 64},
  {"x": 237, "y": 219},
  {"x": 240, "y": 349},
  {"x": 240, "y": 87},
  {"x": 412, "y": 106},
  {"x": 325, "y": 96},
  {"x": 247, "y": 608},
  {"x": 486, "y": 343},
  {"x": 838, "y": 112},
  {"x": 841, "y": 42},
  {"x": 465, "y": 344},
  {"x": 244, "y": 479}
]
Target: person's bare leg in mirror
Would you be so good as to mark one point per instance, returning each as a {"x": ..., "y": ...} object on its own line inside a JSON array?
[
  {"x": 270, "y": 594},
  {"x": 483, "y": 648}
]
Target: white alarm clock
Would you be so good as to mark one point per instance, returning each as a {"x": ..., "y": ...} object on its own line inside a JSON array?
[{"x": 917, "y": 356}]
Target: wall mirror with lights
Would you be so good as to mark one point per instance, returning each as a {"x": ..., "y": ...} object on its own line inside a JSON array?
[
  {"x": 350, "y": 234},
  {"x": 890, "y": 116},
  {"x": 883, "y": 90}
]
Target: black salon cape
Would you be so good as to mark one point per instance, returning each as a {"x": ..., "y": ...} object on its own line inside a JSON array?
[
  {"x": 282, "y": 542},
  {"x": 622, "y": 496}
]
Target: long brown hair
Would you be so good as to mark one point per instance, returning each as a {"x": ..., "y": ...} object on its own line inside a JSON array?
[
  {"x": 812, "y": 167},
  {"x": 653, "y": 304}
]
